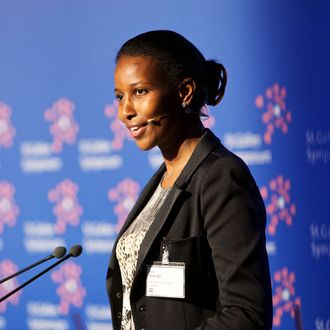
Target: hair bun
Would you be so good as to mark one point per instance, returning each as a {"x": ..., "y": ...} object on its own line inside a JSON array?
[{"x": 216, "y": 82}]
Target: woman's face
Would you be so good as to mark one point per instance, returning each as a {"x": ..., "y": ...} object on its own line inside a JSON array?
[{"x": 143, "y": 93}]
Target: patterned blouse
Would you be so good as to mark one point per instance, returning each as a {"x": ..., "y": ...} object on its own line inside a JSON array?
[{"x": 128, "y": 247}]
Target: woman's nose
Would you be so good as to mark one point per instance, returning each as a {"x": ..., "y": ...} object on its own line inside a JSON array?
[{"x": 126, "y": 110}]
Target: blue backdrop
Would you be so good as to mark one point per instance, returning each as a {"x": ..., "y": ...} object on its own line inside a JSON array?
[{"x": 69, "y": 173}]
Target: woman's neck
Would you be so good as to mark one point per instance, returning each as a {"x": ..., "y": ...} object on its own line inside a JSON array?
[{"x": 178, "y": 156}]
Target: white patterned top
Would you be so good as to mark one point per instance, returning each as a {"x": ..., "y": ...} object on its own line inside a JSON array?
[{"x": 128, "y": 247}]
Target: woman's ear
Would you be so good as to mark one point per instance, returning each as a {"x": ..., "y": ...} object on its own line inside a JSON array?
[{"x": 186, "y": 90}]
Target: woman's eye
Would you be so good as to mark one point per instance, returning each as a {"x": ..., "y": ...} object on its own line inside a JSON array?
[
  {"x": 118, "y": 97},
  {"x": 140, "y": 91}
]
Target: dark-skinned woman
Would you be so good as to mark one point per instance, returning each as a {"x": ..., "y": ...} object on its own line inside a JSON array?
[{"x": 191, "y": 254}]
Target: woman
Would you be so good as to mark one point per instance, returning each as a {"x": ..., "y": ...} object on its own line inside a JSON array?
[{"x": 191, "y": 254}]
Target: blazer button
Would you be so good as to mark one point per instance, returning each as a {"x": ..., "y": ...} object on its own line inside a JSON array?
[
  {"x": 142, "y": 309},
  {"x": 118, "y": 295},
  {"x": 119, "y": 315}
]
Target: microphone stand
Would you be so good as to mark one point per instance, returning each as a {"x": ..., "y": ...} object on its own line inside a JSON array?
[
  {"x": 35, "y": 277},
  {"x": 26, "y": 268},
  {"x": 58, "y": 252}
]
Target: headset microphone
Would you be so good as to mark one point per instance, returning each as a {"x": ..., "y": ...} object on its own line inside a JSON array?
[{"x": 157, "y": 119}]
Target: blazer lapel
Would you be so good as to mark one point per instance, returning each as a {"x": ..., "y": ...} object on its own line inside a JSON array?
[
  {"x": 157, "y": 225},
  {"x": 206, "y": 145}
]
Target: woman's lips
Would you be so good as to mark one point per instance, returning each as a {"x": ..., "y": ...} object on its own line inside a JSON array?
[{"x": 137, "y": 130}]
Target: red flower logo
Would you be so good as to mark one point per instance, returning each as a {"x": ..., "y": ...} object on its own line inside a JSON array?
[
  {"x": 275, "y": 115},
  {"x": 7, "y": 131},
  {"x": 8, "y": 209},
  {"x": 64, "y": 128},
  {"x": 7, "y": 267},
  {"x": 120, "y": 132},
  {"x": 125, "y": 194},
  {"x": 70, "y": 288},
  {"x": 67, "y": 208},
  {"x": 284, "y": 299},
  {"x": 278, "y": 203}
]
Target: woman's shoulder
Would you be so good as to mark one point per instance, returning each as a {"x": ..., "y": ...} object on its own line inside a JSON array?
[
  {"x": 219, "y": 153},
  {"x": 223, "y": 172},
  {"x": 223, "y": 160}
]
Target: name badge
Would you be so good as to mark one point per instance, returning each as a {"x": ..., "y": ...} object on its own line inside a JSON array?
[{"x": 166, "y": 280}]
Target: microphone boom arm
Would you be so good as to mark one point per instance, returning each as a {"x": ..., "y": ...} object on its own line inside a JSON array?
[
  {"x": 34, "y": 277},
  {"x": 26, "y": 268},
  {"x": 58, "y": 252}
]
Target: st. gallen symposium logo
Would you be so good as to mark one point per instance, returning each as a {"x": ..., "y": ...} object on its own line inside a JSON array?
[
  {"x": 41, "y": 156},
  {"x": 254, "y": 147},
  {"x": 101, "y": 153}
]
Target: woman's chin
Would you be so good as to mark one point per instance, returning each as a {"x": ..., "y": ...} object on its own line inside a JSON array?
[{"x": 144, "y": 146}]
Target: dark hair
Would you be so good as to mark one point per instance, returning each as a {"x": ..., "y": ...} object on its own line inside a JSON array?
[{"x": 178, "y": 58}]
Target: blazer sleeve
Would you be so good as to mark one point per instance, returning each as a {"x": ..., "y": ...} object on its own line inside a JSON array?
[{"x": 234, "y": 221}]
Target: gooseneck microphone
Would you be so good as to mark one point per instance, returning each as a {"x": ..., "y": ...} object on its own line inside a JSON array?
[
  {"x": 58, "y": 252},
  {"x": 75, "y": 251}
]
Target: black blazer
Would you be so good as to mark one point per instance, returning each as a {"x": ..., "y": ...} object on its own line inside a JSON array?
[{"x": 214, "y": 222}]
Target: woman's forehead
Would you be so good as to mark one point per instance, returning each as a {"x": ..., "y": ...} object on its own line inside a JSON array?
[{"x": 129, "y": 67}]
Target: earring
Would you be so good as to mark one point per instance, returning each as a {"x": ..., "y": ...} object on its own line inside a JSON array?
[{"x": 186, "y": 108}]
